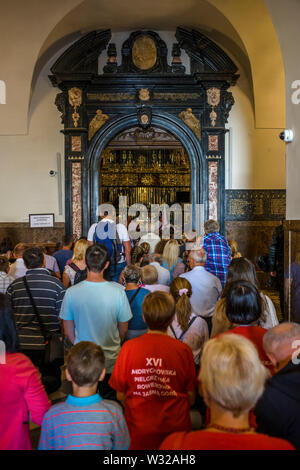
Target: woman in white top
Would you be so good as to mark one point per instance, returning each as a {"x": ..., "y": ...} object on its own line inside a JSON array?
[
  {"x": 186, "y": 326},
  {"x": 150, "y": 278},
  {"x": 77, "y": 263}
]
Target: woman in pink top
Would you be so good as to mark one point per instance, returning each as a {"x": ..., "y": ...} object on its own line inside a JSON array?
[{"x": 22, "y": 396}]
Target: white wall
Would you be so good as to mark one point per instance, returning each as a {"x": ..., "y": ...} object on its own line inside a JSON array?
[
  {"x": 257, "y": 155},
  {"x": 25, "y": 184}
]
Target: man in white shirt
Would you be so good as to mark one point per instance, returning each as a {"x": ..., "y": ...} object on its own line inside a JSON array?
[
  {"x": 115, "y": 270},
  {"x": 18, "y": 268},
  {"x": 163, "y": 273},
  {"x": 206, "y": 288}
]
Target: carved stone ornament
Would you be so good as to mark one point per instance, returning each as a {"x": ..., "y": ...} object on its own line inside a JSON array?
[
  {"x": 75, "y": 97},
  {"x": 213, "y": 99},
  {"x": 98, "y": 121},
  {"x": 144, "y": 53},
  {"x": 191, "y": 121},
  {"x": 213, "y": 96},
  {"x": 144, "y": 116},
  {"x": 75, "y": 100},
  {"x": 144, "y": 94}
]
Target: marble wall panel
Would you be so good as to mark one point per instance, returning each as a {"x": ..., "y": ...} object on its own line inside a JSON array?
[{"x": 76, "y": 199}]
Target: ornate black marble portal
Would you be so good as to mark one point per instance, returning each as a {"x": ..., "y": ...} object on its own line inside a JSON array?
[{"x": 144, "y": 94}]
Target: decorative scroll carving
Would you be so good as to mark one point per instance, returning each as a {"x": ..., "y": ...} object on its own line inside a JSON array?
[
  {"x": 191, "y": 121},
  {"x": 60, "y": 103},
  {"x": 213, "y": 99},
  {"x": 110, "y": 97},
  {"x": 176, "y": 96},
  {"x": 75, "y": 100},
  {"x": 98, "y": 121},
  {"x": 228, "y": 102},
  {"x": 144, "y": 94}
]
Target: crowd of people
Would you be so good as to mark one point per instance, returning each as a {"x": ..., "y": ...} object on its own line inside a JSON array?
[{"x": 154, "y": 331}]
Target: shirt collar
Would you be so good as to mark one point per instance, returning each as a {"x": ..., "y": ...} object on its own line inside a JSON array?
[
  {"x": 37, "y": 270},
  {"x": 83, "y": 401}
]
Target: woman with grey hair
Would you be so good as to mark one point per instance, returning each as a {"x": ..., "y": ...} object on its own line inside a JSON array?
[
  {"x": 135, "y": 294},
  {"x": 232, "y": 380}
]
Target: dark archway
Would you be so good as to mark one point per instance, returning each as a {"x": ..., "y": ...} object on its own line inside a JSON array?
[{"x": 163, "y": 120}]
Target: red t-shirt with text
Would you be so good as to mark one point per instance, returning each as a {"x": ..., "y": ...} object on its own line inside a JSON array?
[{"x": 155, "y": 372}]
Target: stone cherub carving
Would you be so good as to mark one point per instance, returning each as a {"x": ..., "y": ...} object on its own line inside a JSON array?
[
  {"x": 191, "y": 121},
  {"x": 98, "y": 120}
]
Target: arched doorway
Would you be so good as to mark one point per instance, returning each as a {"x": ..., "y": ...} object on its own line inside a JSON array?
[
  {"x": 148, "y": 166},
  {"x": 179, "y": 137},
  {"x": 192, "y": 105}
]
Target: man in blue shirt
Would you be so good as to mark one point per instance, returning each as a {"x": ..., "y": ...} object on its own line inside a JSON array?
[
  {"x": 65, "y": 253},
  {"x": 96, "y": 310}
]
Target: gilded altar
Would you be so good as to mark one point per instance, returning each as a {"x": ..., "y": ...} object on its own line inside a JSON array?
[{"x": 145, "y": 176}]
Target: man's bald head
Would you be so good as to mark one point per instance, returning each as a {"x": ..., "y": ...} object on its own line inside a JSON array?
[{"x": 279, "y": 342}]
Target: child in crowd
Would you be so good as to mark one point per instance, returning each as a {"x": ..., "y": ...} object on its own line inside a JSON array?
[
  {"x": 186, "y": 326},
  {"x": 155, "y": 378},
  {"x": 84, "y": 421}
]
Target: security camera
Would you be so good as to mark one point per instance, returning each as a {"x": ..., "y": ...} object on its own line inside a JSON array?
[
  {"x": 52, "y": 173},
  {"x": 287, "y": 135}
]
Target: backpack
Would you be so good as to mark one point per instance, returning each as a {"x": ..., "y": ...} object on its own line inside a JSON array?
[
  {"x": 80, "y": 275},
  {"x": 106, "y": 234}
]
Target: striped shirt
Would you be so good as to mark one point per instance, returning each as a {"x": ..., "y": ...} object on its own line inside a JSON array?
[
  {"x": 218, "y": 255},
  {"x": 48, "y": 293},
  {"x": 5, "y": 280},
  {"x": 84, "y": 423}
]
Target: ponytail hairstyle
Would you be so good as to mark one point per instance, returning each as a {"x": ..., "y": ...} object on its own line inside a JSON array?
[{"x": 181, "y": 291}]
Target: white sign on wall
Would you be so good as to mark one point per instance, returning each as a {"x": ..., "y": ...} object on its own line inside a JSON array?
[{"x": 41, "y": 220}]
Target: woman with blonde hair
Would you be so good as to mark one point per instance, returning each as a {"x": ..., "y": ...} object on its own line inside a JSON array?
[
  {"x": 186, "y": 326},
  {"x": 77, "y": 263},
  {"x": 232, "y": 380},
  {"x": 171, "y": 259}
]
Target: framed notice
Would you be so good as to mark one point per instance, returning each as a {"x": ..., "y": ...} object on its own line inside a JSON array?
[{"x": 41, "y": 220}]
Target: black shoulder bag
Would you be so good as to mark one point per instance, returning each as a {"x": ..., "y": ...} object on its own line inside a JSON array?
[{"x": 54, "y": 341}]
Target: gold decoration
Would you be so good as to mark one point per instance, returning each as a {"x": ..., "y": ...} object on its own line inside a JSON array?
[
  {"x": 144, "y": 94},
  {"x": 213, "y": 117},
  {"x": 75, "y": 100},
  {"x": 144, "y": 52},
  {"x": 75, "y": 97},
  {"x": 191, "y": 121},
  {"x": 144, "y": 119},
  {"x": 213, "y": 99},
  {"x": 110, "y": 97},
  {"x": 213, "y": 96},
  {"x": 98, "y": 120},
  {"x": 176, "y": 96}
]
